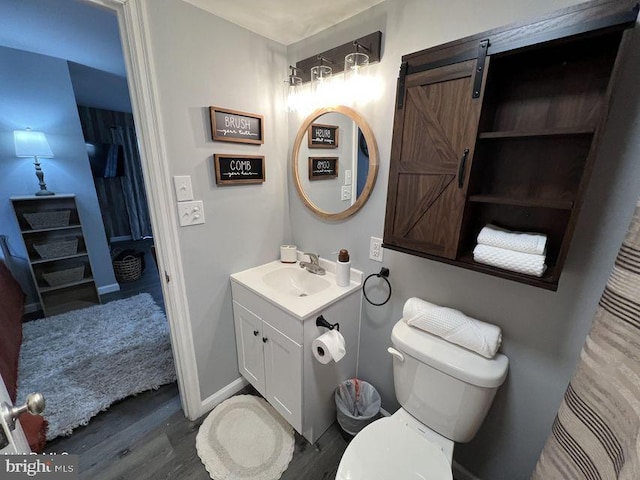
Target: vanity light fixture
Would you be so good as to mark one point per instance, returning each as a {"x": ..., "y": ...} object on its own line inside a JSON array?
[
  {"x": 370, "y": 44},
  {"x": 320, "y": 69},
  {"x": 33, "y": 144},
  {"x": 355, "y": 62},
  {"x": 321, "y": 74},
  {"x": 293, "y": 89}
]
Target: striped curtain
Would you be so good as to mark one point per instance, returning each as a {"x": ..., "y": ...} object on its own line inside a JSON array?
[
  {"x": 135, "y": 197},
  {"x": 596, "y": 434}
]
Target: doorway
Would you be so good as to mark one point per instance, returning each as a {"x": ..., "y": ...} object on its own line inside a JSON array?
[{"x": 171, "y": 272}]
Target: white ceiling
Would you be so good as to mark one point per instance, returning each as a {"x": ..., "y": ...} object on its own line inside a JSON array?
[
  {"x": 88, "y": 35},
  {"x": 68, "y": 29},
  {"x": 285, "y": 21}
]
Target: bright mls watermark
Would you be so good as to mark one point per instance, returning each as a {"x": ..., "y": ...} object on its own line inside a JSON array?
[{"x": 44, "y": 466}]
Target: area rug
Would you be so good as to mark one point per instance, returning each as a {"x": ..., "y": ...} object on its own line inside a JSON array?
[
  {"x": 245, "y": 438},
  {"x": 85, "y": 360}
]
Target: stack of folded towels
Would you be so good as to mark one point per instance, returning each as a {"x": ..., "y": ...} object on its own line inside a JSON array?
[
  {"x": 453, "y": 326},
  {"x": 515, "y": 251}
]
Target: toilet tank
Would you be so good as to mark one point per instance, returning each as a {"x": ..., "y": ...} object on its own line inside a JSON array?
[{"x": 446, "y": 387}]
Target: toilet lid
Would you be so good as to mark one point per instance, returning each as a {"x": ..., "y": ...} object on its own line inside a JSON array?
[{"x": 387, "y": 449}]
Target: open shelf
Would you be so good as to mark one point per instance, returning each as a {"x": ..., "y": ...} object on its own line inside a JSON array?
[
  {"x": 548, "y": 280},
  {"x": 520, "y": 202},
  {"x": 52, "y": 229},
  {"x": 545, "y": 132},
  {"x": 44, "y": 289},
  {"x": 67, "y": 257},
  {"x": 71, "y": 295}
]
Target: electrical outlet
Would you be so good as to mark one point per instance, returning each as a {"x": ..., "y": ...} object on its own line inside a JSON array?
[
  {"x": 191, "y": 213},
  {"x": 346, "y": 193},
  {"x": 375, "y": 249},
  {"x": 184, "y": 191}
]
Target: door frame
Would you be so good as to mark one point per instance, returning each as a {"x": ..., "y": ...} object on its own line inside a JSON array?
[{"x": 136, "y": 46}]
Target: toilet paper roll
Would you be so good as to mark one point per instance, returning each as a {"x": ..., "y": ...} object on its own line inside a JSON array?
[{"x": 329, "y": 346}]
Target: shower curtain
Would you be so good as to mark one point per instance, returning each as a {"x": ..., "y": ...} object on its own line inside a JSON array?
[
  {"x": 596, "y": 433},
  {"x": 133, "y": 183}
]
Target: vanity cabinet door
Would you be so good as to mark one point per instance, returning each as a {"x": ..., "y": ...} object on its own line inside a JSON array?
[
  {"x": 249, "y": 343},
  {"x": 433, "y": 141},
  {"x": 283, "y": 369}
]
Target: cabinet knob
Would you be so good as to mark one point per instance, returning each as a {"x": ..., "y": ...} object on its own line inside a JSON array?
[
  {"x": 255, "y": 333},
  {"x": 264, "y": 339}
]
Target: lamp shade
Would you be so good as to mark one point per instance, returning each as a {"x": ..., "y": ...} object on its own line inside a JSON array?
[{"x": 31, "y": 144}]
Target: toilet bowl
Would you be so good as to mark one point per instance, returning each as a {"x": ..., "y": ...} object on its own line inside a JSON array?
[
  {"x": 397, "y": 447},
  {"x": 445, "y": 392}
]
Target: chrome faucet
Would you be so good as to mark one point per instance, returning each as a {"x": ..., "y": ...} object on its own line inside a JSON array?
[{"x": 314, "y": 265}]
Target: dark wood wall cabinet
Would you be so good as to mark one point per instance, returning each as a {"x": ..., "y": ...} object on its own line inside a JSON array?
[{"x": 502, "y": 128}]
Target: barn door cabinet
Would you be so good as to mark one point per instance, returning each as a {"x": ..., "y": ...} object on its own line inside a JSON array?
[{"x": 503, "y": 127}]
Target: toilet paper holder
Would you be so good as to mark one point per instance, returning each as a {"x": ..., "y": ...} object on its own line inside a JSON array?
[{"x": 321, "y": 322}]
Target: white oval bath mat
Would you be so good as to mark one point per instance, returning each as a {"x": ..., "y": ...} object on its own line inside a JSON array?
[{"x": 245, "y": 438}]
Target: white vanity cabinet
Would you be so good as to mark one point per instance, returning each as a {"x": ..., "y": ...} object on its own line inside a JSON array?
[
  {"x": 275, "y": 354},
  {"x": 271, "y": 361}
]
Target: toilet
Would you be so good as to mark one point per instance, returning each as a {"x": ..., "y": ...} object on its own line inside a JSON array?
[{"x": 444, "y": 391}]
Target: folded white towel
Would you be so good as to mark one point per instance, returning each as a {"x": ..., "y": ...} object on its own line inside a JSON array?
[
  {"x": 527, "y": 263},
  {"x": 520, "y": 242},
  {"x": 454, "y": 326}
]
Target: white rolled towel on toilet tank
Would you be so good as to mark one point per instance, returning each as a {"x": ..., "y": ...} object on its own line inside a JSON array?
[{"x": 454, "y": 326}]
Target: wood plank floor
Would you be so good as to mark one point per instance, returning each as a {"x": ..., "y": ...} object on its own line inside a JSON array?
[{"x": 148, "y": 437}]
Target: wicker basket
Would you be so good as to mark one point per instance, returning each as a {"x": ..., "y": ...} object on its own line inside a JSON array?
[
  {"x": 62, "y": 277},
  {"x": 57, "y": 249},
  {"x": 49, "y": 219},
  {"x": 129, "y": 269}
]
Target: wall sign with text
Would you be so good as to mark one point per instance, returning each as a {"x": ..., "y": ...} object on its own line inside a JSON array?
[
  {"x": 234, "y": 126},
  {"x": 322, "y": 168},
  {"x": 239, "y": 169},
  {"x": 322, "y": 136}
]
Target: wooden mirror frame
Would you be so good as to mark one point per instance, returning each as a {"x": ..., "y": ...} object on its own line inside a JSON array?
[{"x": 373, "y": 161}]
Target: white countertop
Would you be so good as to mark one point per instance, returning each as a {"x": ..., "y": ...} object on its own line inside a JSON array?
[{"x": 300, "y": 307}]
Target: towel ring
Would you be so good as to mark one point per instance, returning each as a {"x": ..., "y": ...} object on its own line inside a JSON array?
[{"x": 384, "y": 274}]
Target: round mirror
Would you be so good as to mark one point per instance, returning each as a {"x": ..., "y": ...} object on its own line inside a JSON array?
[{"x": 335, "y": 162}]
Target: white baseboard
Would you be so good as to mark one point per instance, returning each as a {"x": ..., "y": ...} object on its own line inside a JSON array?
[
  {"x": 461, "y": 473},
  {"x": 121, "y": 238},
  {"x": 221, "y": 395},
  {"x": 32, "y": 307},
  {"x": 114, "y": 287}
]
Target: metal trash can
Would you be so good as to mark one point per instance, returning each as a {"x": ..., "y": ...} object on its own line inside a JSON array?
[{"x": 357, "y": 405}]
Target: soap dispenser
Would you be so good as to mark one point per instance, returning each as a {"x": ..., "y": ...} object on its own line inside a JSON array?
[{"x": 343, "y": 269}]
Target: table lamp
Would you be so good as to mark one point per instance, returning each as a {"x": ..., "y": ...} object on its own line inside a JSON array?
[{"x": 34, "y": 144}]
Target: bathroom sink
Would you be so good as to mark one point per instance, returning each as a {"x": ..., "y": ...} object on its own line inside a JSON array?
[
  {"x": 297, "y": 283},
  {"x": 294, "y": 289}
]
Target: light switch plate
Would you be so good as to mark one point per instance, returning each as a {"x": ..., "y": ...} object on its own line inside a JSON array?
[
  {"x": 347, "y": 177},
  {"x": 191, "y": 213},
  {"x": 184, "y": 190},
  {"x": 346, "y": 193}
]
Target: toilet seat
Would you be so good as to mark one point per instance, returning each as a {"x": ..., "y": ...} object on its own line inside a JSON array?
[{"x": 389, "y": 450}]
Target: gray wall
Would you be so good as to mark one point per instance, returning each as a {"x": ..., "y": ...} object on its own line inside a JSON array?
[
  {"x": 98, "y": 89},
  {"x": 543, "y": 331},
  {"x": 36, "y": 92},
  {"x": 202, "y": 60}
]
